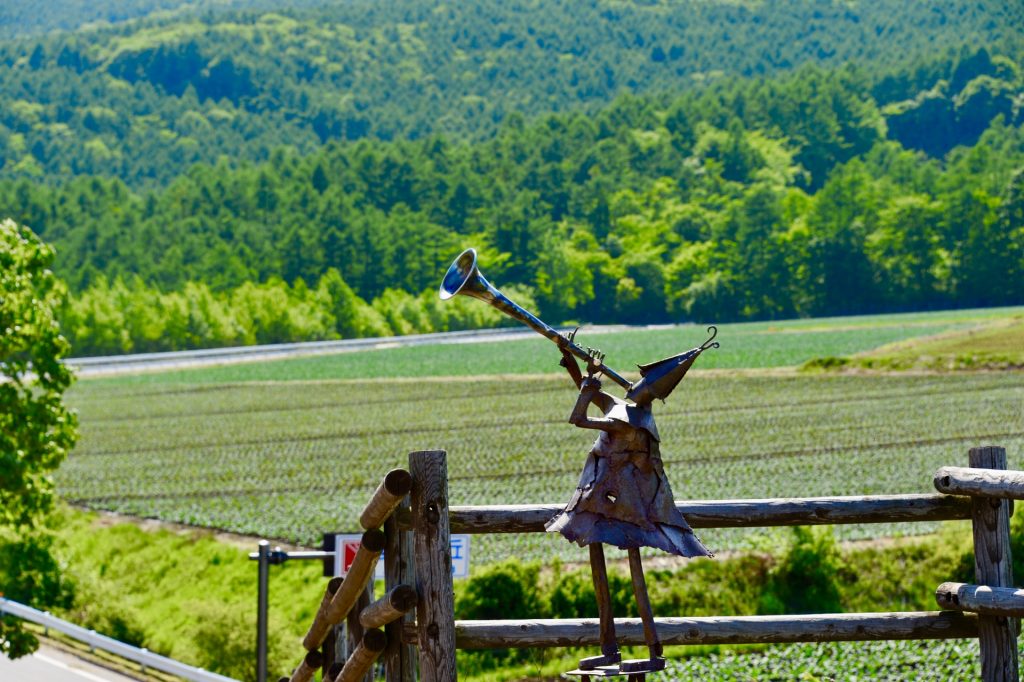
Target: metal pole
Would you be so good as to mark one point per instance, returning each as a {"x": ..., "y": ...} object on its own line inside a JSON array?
[{"x": 261, "y": 611}]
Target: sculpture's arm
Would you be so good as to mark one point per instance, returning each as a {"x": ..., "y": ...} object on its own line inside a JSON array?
[
  {"x": 590, "y": 389},
  {"x": 570, "y": 364}
]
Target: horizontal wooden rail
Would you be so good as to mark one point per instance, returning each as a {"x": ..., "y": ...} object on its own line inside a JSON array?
[
  {"x": 842, "y": 627},
  {"x": 980, "y": 482},
  {"x": 992, "y": 601},
  {"x": 805, "y": 511}
]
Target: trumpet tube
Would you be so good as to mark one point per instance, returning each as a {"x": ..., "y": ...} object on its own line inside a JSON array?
[{"x": 464, "y": 278}]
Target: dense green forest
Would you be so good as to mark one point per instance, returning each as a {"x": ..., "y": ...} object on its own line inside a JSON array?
[
  {"x": 748, "y": 199},
  {"x": 146, "y": 99},
  {"x": 19, "y": 18},
  {"x": 232, "y": 178}
]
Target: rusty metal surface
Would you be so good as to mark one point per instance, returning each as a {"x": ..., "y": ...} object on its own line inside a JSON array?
[{"x": 623, "y": 497}]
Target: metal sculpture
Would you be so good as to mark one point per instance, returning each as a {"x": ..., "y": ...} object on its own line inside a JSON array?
[{"x": 623, "y": 497}]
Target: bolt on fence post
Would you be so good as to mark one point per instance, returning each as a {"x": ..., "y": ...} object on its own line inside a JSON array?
[
  {"x": 263, "y": 586},
  {"x": 990, "y": 522}
]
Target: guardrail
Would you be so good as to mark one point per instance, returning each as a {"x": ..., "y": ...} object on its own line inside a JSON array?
[{"x": 97, "y": 641}]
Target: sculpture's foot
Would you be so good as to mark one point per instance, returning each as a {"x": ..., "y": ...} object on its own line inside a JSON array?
[
  {"x": 643, "y": 665},
  {"x": 593, "y": 662}
]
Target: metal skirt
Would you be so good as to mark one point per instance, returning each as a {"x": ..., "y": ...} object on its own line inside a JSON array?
[{"x": 585, "y": 528}]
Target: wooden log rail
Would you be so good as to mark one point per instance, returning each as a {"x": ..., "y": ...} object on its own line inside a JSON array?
[
  {"x": 807, "y": 511},
  {"x": 980, "y": 482},
  {"x": 311, "y": 662},
  {"x": 359, "y": 574},
  {"x": 362, "y": 659},
  {"x": 388, "y": 495},
  {"x": 418, "y": 524},
  {"x": 841, "y": 627},
  {"x": 342, "y": 595},
  {"x": 992, "y": 601},
  {"x": 389, "y": 608}
]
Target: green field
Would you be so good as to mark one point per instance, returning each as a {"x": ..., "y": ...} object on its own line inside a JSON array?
[
  {"x": 743, "y": 345},
  {"x": 292, "y": 459},
  {"x": 290, "y": 449}
]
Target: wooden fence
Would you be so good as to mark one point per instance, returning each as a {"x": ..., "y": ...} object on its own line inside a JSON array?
[{"x": 416, "y": 536}]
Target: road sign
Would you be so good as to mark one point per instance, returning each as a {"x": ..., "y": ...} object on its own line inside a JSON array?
[
  {"x": 460, "y": 556},
  {"x": 345, "y": 547}
]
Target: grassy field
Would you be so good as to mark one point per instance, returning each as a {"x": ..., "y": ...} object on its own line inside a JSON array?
[
  {"x": 746, "y": 345},
  {"x": 289, "y": 449},
  {"x": 292, "y": 459}
]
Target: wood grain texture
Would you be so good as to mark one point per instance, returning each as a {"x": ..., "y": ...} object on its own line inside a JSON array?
[
  {"x": 392, "y": 606},
  {"x": 386, "y": 498},
  {"x": 991, "y": 601},
  {"x": 980, "y": 482},
  {"x": 435, "y": 612},
  {"x": 359, "y": 665},
  {"x": 354, "y": 626},
  {"x": 399, "y": 569},
  {"x": 844, "y": 627},
  {"x": 310, "y": 663},
  {"x": 807, "y": 511},
  {"x": 993, "y": 567},
  {"x": 360, "y": 573}
]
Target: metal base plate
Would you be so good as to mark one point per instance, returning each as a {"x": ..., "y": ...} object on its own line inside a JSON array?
[{"x": 608, "y": 671}]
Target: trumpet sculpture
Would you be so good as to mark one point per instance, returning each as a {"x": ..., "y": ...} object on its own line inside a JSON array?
[
  {"x": 623, "y": 497},
  {"x": 465, "y": 279}
]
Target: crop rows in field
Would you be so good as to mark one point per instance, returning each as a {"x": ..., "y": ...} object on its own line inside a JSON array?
[
  {"x": 293, "y": 459},
  {"x": 887, "y": 661},
  {"x": 744, "y": 345}
]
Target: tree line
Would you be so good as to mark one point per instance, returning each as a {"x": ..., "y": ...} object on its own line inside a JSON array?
[{"x": 751, "y": 199}]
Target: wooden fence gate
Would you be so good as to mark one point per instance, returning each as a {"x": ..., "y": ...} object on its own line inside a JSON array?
[{"x": 413, "y": 630}]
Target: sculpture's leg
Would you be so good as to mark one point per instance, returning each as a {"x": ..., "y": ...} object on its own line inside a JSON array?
[
  {"x": 643, "y": 603},
  {"x": 609, "y": 649}
]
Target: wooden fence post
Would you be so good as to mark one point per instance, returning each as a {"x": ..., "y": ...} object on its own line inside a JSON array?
[
  {"x": 992, "y": 566},
  {"x": 435, "y": 610},
  {"x": 399, "y": 569}
]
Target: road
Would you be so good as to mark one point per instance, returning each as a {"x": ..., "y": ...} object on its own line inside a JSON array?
[
  {"x": 150, "y": 362},
  {"x": 53, "y": 665}
]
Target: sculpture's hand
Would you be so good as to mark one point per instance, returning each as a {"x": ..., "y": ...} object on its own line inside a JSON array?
[
  {"x": 567, "y": 339},
  {"x": 590, "y": 385}
]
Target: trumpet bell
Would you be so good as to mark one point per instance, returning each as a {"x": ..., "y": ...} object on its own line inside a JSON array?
[{"x": 462, "y": 272}]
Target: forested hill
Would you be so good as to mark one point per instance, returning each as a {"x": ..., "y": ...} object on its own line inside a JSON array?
[
  {"x": 747, "y": 199},
  {"x": 21, "y": 18},
  {"x": 146, "y": 99}
]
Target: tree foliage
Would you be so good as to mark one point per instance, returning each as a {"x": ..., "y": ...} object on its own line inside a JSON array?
[
  {"x": 36, "y": 430},
  {"x": 146, "y": 99}
]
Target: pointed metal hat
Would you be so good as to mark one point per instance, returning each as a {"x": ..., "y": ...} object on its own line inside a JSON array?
[{"x": 659, "y": 379}]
